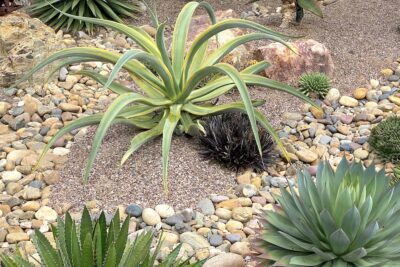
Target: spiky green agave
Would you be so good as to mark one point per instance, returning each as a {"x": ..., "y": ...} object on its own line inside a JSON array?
[
  {"x": 172, "y": 95},
  {"x": 314, "y": 83},
  {"x": 102, "y": 9},
  {"x": 346, "y": 218},
  {"x": 95, "y": 244}
]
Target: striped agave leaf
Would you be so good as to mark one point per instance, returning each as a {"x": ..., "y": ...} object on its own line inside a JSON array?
[{"x": 173, "y": 95}]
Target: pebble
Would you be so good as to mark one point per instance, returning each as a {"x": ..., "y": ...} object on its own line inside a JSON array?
[
  {"x": 151, "y": 217},
  {"x": 360, "y": 93},
  {"x": 225, "y": 260},
  {"x": 206, "y": 206},
  {"x": 306, "y": 155},
  {"x": 134, "y": 210},
  {"x": 194, "y": 240},
  {"x": 11, "y": 176},
  {"x": 215, "y": 240},
  {"x": 164, "y": 210},
  {"x": 241, "y": 248},
  {"x": 348, "y": 101},
  {"x": 46, "y": 214}
]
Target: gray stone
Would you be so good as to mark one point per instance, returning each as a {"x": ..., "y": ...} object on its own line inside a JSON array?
[
  {"x": 215, "y": 240},
  {"x": 134, "y": 210},
  {"x": 206, "y": 206},
  {"x": 194, "y": 240}
]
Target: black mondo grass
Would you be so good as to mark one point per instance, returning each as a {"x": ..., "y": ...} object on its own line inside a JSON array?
[{"x": 228, "y": 139}]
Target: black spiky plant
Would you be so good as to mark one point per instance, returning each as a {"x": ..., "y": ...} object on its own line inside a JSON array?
[{"x": 230, "y": 141}]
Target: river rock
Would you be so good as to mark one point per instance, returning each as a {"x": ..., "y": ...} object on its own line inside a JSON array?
[
  {"x": 194, "y": 240},
  {"x": 151, "y": 217},
  {"x": 225, "y": 260}
]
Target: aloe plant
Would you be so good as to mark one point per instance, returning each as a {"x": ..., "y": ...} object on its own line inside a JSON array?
[
  {"x": 346, "y": 218},
  {"x": 172, "y": 94},
  {"x": 95, "y": 244},
  {"x": 46, "y": 11}
]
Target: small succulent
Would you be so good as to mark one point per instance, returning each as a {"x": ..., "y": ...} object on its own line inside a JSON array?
[
  {"x": 102, "y": 9},
  {"x": 95, "y": 244},
  {"x": 385, "y": 139},
  {"x": 315, "y": 83},
  {"x": 346, "y": 218},
  {"x": 228, "y": 139}
]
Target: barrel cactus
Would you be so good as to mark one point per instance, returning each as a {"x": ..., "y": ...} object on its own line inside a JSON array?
[
  {"x": 315, "y": 83},
  {"x": 346, "y": 218},
  {"x": 385, "y": 139}
]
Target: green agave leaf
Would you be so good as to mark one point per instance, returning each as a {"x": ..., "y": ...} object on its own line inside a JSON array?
[
  {"x": 48, "y": 254},
  {"x": 350, "y": 223},
  {"x": 181, "y": 31},
  {"x": 87, "y": 251},
  {"x": 111, "y": 257},
  {"x": 121, "y": 240},
  {"x": 86, "y": 226},
  {"x": 8, "y": 261},
  {"x": 339, "y": 241},
  {"x": 307, "y": 260},
  {"x": 355, "y": 255},
  {"x": 311, "y": 5},
  {"x": 138, "y": 251},
  {"x": 168, "y": 130}
]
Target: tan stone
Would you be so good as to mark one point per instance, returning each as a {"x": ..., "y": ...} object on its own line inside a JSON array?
[
  {"x": 287, "y": 66},
  {"x": 17, "y": 237},
  {"x": 229, "y": 204},
  {"x": 360, "y": 93}
]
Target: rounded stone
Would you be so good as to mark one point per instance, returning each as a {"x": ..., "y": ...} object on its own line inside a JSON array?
[
  {"x": 241, "y": 248},
  {"x": 215, "y": 240},
  {"x": 307, "y": 155},
  {"x": 233, "y": 225},
  {"x": 242, "y": 214},
  {"x": 194, "y": 240},
  {"x": 206, "y": 206},
  {"x": 225, "y": 260},
  {"x": 360, "y": 93},
  {"x": 134, "y": 210},
  {"x": 165, "y": 210},
  {"x": 224, "y": 214},
  {"x": 46, "y": 213},
  {"x": 333, "y": 95},
  {"x": 348, "y": 101},
  {"x": 11, "y": 176},
  {"x": 361, "y": 154},
  {"x": 151, "y": 217}
]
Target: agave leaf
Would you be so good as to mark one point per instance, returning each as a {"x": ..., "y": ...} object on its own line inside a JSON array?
[
  {"x": 157, "y": 64},
  {"x": 121, "y": 240},
  {"x": 168, "y": 130},
  {"x": 229, "y": 46},
  {"x": 140, "y": 139},
  {"x": 282, "y": 241},
  {"x": 160, "y": 41},
  {"x": 350, "y": 223},
  {"x": 112, "y": 112},
  {"x": 8, "y": 261},
  {"x": 110, "y": 260},
  {"x": 180, "y": 34},
  {"x": 284, "y": 224},
  {"x": 311, "y": 5},
  {"x": 60, "y": 238},
  {"x": 339, "y": 241},
  {"x": 138, "y": 251},
  {"x": 114, "y": 86},
  {"x": 327, "y": 222},
  {"x": 87, "y": 251},
  {"x": 86, "y": 226},
  {"x": 355, "y": 255},
  {"x": 48, "y": 254},
  {"x": 308, "y": 260},
  {"x": 76, "y": 255},
  {"x": 172, "y": 257}
]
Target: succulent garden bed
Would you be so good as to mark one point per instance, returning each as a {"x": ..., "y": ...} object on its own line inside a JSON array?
[{"x": 211, "y": 211}]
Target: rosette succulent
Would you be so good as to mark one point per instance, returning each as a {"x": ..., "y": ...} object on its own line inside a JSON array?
[
  {"x": 315, "y": 83},
  {"x": 346, "y": 218}
]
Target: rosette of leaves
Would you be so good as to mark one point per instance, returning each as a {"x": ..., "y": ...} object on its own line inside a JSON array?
[
  {"x": 172, "y": 95},
  {"x": 314, "y": 84},
  {"x": 229, "y": 140},
  {"x": 385, "y": 139},
  {"x": 346, "y": 218},
  {"x": 396, "y": 175},
  {"x": 95, "y": 244},
  {"x": 46, "y": 11}
]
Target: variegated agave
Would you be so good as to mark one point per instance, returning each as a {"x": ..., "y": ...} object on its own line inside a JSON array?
[
  {"x": 173, "y": 95},
  {"x": 346, "y": 218}
]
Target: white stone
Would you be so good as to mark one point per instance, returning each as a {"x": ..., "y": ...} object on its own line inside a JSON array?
[
  {"x": 348, "y": 101},
  {"x": 46, "y": 213},
  {"x": 11, "y": 176},
  {"x": 333, "y": 95},
  {"x": 151, "y": 217},
  {"x": 165, "y": 210}
]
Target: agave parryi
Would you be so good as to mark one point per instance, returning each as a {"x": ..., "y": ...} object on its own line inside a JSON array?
[
  {"x": 172, "y": 95},
  {"x": 346, "y": 218}
]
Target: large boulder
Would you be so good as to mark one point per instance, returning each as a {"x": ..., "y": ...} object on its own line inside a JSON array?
[
  {"x": 287, "y": 66},
  {"x": 201, "y": 22},
  {"x": 24, "y": 42}
]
